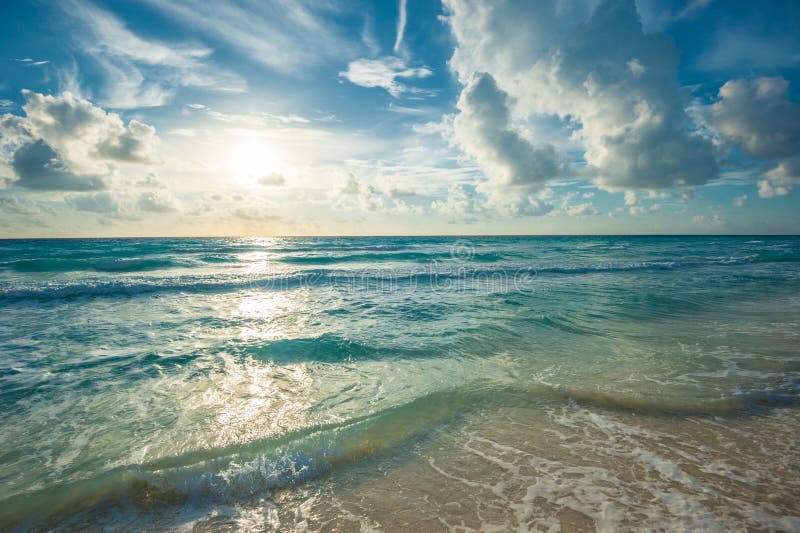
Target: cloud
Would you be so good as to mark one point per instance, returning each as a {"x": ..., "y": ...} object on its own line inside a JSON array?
[
  {"x": 274, "y": 179},
  {"x": 581, "y": 209},
  {"x": 85, "y": 133},
  {"x": 140, "y": 72},
  {"x": 101, "y": 202},
  {"x": 399, "y": 194},
  {"x": 28, "y": 62},
  {"x": 12, "y": 205},
  {"x": 38, "y": 166},
  {"x": 156, "y": 202},
  {"x": 401, "y": 25},
  {"x": 514, "y": 167},
  {"x": 740, "y": 200},
  {"x": 756, "y": 114},
  {"x": 66, "y": 143},
  {"x": 254, "y": 215},
  {"x": 384, "y": 73},
  {"x": 370, "y": 198},
  {"x": 461, "y": 202},
  {"x": 286, "y": 35},
  {"x": 353, "y": 186},
  {"x": 151, "y": 181},
  {"x": 610, "y": 83},
  {"x": 766, "y": 189}
]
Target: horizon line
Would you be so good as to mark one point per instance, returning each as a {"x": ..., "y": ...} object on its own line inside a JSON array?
[{"x": 383, "y": 236}]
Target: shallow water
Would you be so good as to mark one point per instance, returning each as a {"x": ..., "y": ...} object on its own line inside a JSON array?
[{"x": 392, "y": 384}]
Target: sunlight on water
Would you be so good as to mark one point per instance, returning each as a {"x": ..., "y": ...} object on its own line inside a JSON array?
[{"x": 400, "y": 383}]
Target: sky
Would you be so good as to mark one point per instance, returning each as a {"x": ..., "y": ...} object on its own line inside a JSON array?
[{"x": 294, "y": 117}]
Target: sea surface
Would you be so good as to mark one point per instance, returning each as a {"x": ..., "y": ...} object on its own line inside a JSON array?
[{"x": 400, "y": 384}]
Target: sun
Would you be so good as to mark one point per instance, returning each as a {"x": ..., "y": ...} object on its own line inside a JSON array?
[{"x": 252, "y": 160}]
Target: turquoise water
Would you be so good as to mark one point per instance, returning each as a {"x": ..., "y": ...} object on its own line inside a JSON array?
[{"x": 400, "y": 383}]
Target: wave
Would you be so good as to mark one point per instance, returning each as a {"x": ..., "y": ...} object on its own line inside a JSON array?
[
  {"x": 417, "y": 257},
  {"x": 234, "y": 472},
  {"x": 435, "y": 277},
  {"x": 109, "y": 265}
]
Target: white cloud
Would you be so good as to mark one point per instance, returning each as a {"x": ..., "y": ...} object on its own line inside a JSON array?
[
  {"x": 67, "y": 143},
  {"x": 28, "y": 62},
  {"x": 595, "y": 68},
  {"x": 583, "y": 209},
  {"x": 757, "y": 115},
  {"x": 140, "y": 72},
  {"x": 156, "y": 202},
  {"x": 460, "y": 202},
  {"x": 384, "y": 73},
  {"x": 101, "y": 202},
  {"x": 12, "y": 205},
  {"x": 740, "y": 200},
  {"x": 515, "y": 168},
  {"x": 286, "y": 35},
  {"x": 713, "y": 220},
  {"x": 401, "y": 25},
  {"x": 151, "y": 181},
  {"x": 766, "y": 189}
]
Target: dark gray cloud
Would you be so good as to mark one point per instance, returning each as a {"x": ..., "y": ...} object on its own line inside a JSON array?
[{"x": 38, "y": 166}]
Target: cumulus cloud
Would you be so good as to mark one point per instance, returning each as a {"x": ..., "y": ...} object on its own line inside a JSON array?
[
  {"x": 38, "y": 166},
  {"x": 767, "y": 189},
  {"x": 514, "y": 167},
  {"x": 613, "y": 85},
  {"x": 353, "y": 186},
  {"x": 66, "y": 143},
  {"x": 757, "y": 116},
  {"x": 150, "y": 181},
  {"x": 156, "y": 202},
  {"x": 460, "y": 202},
  {"x": 384, "y": 73},
  {"x": 101, "y": 202},
  {"x": 583, "y": 209},
  {"x": 368, "y": 197}
]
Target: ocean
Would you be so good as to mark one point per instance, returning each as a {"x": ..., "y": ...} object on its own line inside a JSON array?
[{"x": 400, "y": 384}]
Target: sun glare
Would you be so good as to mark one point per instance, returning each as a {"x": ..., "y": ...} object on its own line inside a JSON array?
[{"x": 252, "y": 161}]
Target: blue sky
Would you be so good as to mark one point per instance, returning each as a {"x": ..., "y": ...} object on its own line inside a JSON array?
[{"x": 155, "y": 117}]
